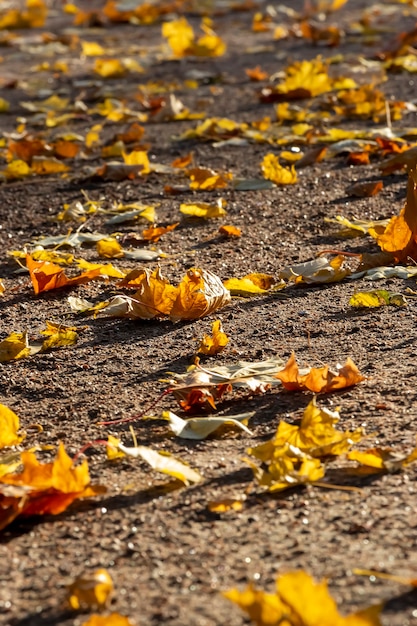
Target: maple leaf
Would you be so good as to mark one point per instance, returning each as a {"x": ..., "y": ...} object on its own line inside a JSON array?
[
  {"x": 316, "y": 435},
  {"x": 91, "y": 590},
  {"x": 298, "y": 601},
  {"x": 400, "y": 235},
  {"x": 44, "y": 488},
  {"x": 215, "y": 343},
  {"x": 200, "y": 293},
  {"x": 9, "y": 427},
  {"x": 46, "y": 276},
  {"x": 319, "y": 380}
]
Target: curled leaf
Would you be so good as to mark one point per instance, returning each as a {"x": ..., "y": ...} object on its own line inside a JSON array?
[{"x": 91, "y": 590}]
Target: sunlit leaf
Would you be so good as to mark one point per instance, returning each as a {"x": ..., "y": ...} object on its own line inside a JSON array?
[
  {"x": 383, "y": 458},
  {"x": 59, "y": 336},
  {"x": 200, "y": 293},
  {"x": 46, "y": 276},
  {"x": 92, "y": 49},
  {"x": 250, "y": 285},
  {"x": 207, "y": 179},
  {"x": 201, "y": 427},
  {"x": 154, "y": 233},
  {"x": 109, "y": 68},
  {"x": 180, "y": 36},
  {"x": 109, "y": 248},
  {"x": 15, "y": 346},
  {"x": 113, "y": 619},
  {"x": 400, "y": 236},
  {"x": 376, "y": 298},
  {"x": 204, "y": 210},
  {"x": 214, "y": 343},
  {"x": 161, "y": 462},
  {"x": 319, "y": 380},
  {"x": 91, "y": 590},
  {"x": 9, "y": 427},
  {"x": 320, "y": 270},
  {"x": 32, "y": 16},
  {"x": 230, "y": 232},
  {"x": 45, "y": 488},
  {"x": 226, "y": 504},
  {"x": 48, "y": 165},
  {"x": 275, "y": 172}
]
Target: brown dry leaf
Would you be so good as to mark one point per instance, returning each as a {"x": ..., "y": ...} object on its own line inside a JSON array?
[
  {"x": 365, "y": 189},
  {"x": 358, "y": 158},
  {"x": 91, "y": 590},
  {"x": 406, "y": 158},
  {"x": 200, "y": 293},
  {"x": 44, "y": 488},
  {"x": 319, "y": 380},
  {"x": 214, "y": 343},
  {"x": 400, "y": 236}
]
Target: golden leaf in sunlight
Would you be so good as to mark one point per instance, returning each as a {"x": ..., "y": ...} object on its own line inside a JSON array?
[
  {"x": 204, "y": 178},
  {"x": 316, "y": 435},
  {"x": 17, "y": 169},
  {"x": 15, "y": 346},
  {"x": 317, "y": 271},
  {"x": 204, "y": 210},
  {"x": 400, "y": 236},
  {"x": 250, "y": 285},
  {"x": 319, "y": 380},
  {"x": 199, "y": 428},
  {"x": 180, "y": 36},
  {"x": 109, "y": 248},
  {"x": 214, "y": 343},
  {"x": 138, "y": 157},
  {"x": 92, "y": 49},
  {"x": 154, "y": 233},
  {"x": 109, "y": 68},
  {"x": 44, "y": 488},
  {"x": 91, "y": 590},
  {"x": 2, "y": 287},
  {"x": 113, "y": 619},
  {"x": 9, "y": 426},
  {"x": 376, "y": 298},
  {"x": 384, "y": 459},
  {"x": 286, "y": 466},
  {"x": 160, "y": 462},
  {"x": 278, "y": 174},
  {"x": 154, "y": 297},
  {"x": 226, "y": 504},
  {"x": 46, "y": 276},
  {"x": 200, "y": 293},
  {"x": 106, "y": 270},
  {"x": 33, "y": 16},
  {"x": 58, "y": 336},
  {"x": 209, "y": 44}
]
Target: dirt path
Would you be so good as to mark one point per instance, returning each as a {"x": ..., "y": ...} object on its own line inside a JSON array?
[{"x": 170, "y": 557}]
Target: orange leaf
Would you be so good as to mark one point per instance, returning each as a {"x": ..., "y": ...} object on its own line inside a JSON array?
[
  {"x": 400, "y": 236},
  {"x": 256, "y": 74},
  {"x": 365, "y": 189},
  {"x": 230, "y": 231},
  {"x": 44, "y": 488},
  {"x": 46, "y": 276},
  {"x": 154, "y": 233},
  {"x": 319, "y": 380}
]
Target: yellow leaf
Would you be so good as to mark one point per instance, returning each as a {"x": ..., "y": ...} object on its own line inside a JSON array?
[
  {"x": 376, "y": 298},
  {"x": 4, "y": 105},
  {"x": 113, "y": 619},
  {"x": 204, "y": 210},
  {"x": 91, "y": 590},
  {"x": 109, "y": 68},
  {"x": 93, "y": 135},
  {"x": 33, "y": 16},
  {"x": 180, "y": 36},
  {"x": 105, "y": 269},
  {"x": 203, "y": 178},
  {"x": 264, "y": 609},
  {"x": 138, "y": 157},
  {"x": 92, "y": 49},
  {"x": 17, "y": 169},
  {"x": 58, "y": 336},
  {"x": 250, "y": 285},
  {"x": 109, "y": 248},
  {"x": 9, "y": 426},
  {"x": 164, "y": 463},
  {"x": 48, "y": 165},
  {"x": 225, "y": 505},
  {"x": 2, "y": 287},
  {"x": 215, "y": 343},
  {"x": 274, "y": 171},
  {"x": 15, "y": 346}
]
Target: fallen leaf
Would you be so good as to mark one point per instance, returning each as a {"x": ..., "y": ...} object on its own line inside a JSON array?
[
  {"x": 154, "y": 233},
  {"x": 9, "y": 427},
  {"x": 365, "y": 189},
  {"x": 113, "y": 619},
  {"x": 316, "y": 435},
  {"x": 204, "y": 210},
  {"x": 200, "y": 293},
  {"x": 91, "y": 590},
  {"x": 385, "y": 459},
  {"x": 161, "y": 462},
  {"x": 250, "y": 285},
  {"x": 319, "y": 380},
  {"x": 46, "y": 276},
  {"x": 400, "y": 236},
  {"x": 44, "y": 488},
  {"x": 318, "y": 271},
  {"x": 13, "y": 347},
  {"x": 230, "y": 231},
  {"x": 226, "y": 504},
  {"x": 204, "y": 178},
  {"x": 298, "y": 600},
  {"x": 214, "y": 343},
  {"x": 275, "y": 172},
  {"x": 199, "y": 428},
  {"x": 377, "y": 298},
  {"x": 109, "y": 248}
]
